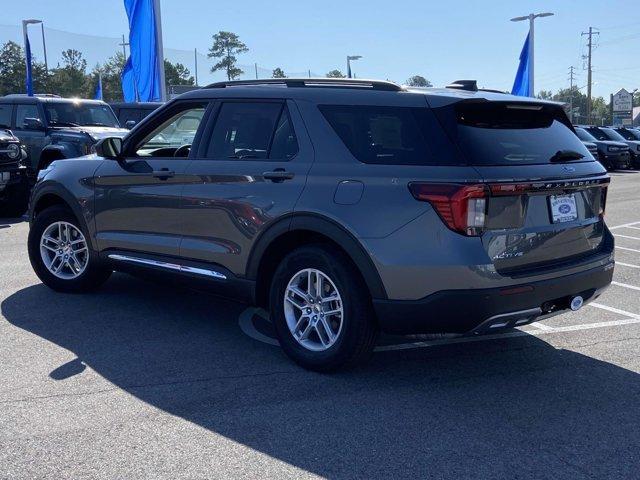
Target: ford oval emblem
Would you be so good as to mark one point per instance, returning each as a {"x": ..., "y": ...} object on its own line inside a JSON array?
[{"x": 568, "y": 169}]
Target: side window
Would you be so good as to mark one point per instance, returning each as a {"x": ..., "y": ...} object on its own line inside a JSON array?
[
  {"x": 177, "y": 130},
  {"x": 5, "y": 115},
  {"x": 26, "y": 111},
  {"x": 257, "y": 130}
]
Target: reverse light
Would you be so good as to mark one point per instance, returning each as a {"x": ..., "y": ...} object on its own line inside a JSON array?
[{"x": 461, "y": 207}]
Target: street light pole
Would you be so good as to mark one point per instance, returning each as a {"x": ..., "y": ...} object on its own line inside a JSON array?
[
  {"x": 27, "y": 56},
  {"x": 531, "y": 17},
  {"x": 349, "y": 58},
  {"x": 44, "y": 48}
]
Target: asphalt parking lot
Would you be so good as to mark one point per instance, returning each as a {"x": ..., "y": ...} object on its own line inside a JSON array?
[{"x": 142, "y": 380}]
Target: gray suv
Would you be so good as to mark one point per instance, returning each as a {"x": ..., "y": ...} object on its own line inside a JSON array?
[{"x": 345, "y": 207}]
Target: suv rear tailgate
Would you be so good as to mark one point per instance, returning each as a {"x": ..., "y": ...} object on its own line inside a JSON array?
[{"x": 526, "y": 227}]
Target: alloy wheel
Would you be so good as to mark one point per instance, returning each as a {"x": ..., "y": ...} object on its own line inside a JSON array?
[
  {"x": 64, "y": 250},
  {"x": 313, "y": 309}
]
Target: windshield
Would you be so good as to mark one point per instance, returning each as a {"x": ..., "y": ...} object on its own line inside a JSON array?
[
  {"x": 598, "y": 133},
  {"x": 629, "y": 134},
  {"x": 75, "y": 114},
  {"x": 613, "y": 135},
  {"x": 584, "y": 135},
  {"x": 500, "y": 133}
]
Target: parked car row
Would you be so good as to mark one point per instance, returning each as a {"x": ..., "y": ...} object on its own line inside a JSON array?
[{"x": 617, "y": 148}]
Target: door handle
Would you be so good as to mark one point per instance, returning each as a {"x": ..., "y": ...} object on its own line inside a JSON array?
[
  {"x": 163, "y": 173},
  {"x": 278, "y": 175}
]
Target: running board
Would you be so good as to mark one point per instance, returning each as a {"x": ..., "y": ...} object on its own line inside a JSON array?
[{"x": 169, "y": 266}]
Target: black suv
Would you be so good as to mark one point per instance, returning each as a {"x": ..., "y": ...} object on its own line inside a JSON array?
[
  {"x": 131, "y": 113},
  {"x": 344, "y": 207},
  {"x": 52, "y": 128},
  {"x": 14, "y": 181}
]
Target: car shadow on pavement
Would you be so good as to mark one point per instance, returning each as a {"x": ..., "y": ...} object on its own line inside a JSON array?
[{"x": 508, "y": 408}]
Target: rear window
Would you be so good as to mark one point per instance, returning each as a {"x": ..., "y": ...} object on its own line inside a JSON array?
[
  {"x": 383, "y": 135},
  {"x": 496, "y": 133}
]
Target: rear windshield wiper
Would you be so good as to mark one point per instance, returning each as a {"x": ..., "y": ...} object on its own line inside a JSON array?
[{"x": 566, "y": 156}]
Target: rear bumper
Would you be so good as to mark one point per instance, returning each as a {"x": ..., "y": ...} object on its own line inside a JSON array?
[{"x": 489, "y": 310}]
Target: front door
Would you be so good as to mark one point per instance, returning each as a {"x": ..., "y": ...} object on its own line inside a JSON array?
[
  {"x": 34, "y": 140},
  {"x": 250, "y": 170},
  {"x": 138, "y": 198}
]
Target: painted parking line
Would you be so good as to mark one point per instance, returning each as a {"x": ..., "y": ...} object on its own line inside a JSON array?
[
  {"x": 630, "y": 265},
  {"x": 634, "y": 228},
  {"x": 628, "y": 249},
  {"x": 624, "y": 225},
  {"x": 246, "y": 325},
  {"x": 626, "y": 236},
  {"x": 625, "y": 285}
]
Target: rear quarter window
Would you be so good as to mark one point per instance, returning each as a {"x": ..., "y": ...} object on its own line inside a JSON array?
[{"x": 389, "y": 135}]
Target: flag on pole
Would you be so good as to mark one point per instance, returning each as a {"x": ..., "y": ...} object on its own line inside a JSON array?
[
  {"x": 98, "y": 95},
  {"x": 142, "y": 76},
  {"x": 521, "y": 86},
  {"x": 29, "y": 72}
]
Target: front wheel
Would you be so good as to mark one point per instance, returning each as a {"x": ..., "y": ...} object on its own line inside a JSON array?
[
  {"x": 321, "y": 309},
  {"x": 60, "y": 254}
]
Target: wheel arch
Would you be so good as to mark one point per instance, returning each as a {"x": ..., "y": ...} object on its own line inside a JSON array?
[
  {"x": 51, "y": 153},
  {"x": 52, "y": 195},
  {"x": 304, "y": 229}
]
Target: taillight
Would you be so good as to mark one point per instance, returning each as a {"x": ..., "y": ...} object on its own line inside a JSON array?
[
  {"x": 603, "y": 200},
  {"x": 463, "y": 208}
]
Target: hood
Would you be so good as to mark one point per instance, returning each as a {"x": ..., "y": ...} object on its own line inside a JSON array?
[
  {"x": 96, "y": 133},
  {"x": 612, "y": 143},
  {"x": 6, "y": 136}
]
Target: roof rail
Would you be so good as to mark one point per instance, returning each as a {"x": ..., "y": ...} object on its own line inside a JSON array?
[
  {"x": 469, "y": 85},
  {"x": 38, "y": 95},
  {"x": 313, "y": 82}
]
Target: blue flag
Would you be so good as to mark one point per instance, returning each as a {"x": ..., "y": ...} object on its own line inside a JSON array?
[
  {"x": 141, "y": 77},
  {"x": 29, "y": 72},
  {"x": 98, "y": 95},
  {"x": 521, "y": 85}
]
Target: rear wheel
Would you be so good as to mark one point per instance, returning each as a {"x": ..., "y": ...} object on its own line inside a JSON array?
[
  {"x": 61, "y": 255},
  {"x": 321, "y": 309}
]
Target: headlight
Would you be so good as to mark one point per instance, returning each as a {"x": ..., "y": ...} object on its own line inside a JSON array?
[{"x": 13, "y": 151}]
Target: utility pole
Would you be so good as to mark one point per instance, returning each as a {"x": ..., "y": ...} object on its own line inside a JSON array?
[
  {"x": 256, "y": 67},
  {"x": 571, "y": 75},
  {"x": 589, "y": 70},
  {"x": 124, "y": 46},
  {"x": 195, "y": 57}
]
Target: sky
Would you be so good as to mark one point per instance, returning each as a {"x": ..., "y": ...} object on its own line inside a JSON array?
[{"x": 442, "y": 41}]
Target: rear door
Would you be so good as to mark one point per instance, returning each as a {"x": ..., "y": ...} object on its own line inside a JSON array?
[
  {"x": 138, "y": 198},
  {"x": 547, "y": 193},
  {"x": 249, "y": 171}
]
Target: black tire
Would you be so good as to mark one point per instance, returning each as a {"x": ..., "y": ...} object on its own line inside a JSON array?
[
  {"x": 359, "y": 330},
  {"x": 95, "y": 273},
  {"x": 16, "y": 200}
]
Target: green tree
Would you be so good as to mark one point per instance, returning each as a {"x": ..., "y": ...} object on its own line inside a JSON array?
[
  {"x": 69, "y": 80},
  {"x": 111, "y": 77},
  {"x": 335, "y": 74},
  {"x": 545, "y": 95},
  {"x": 278, "y": 73},
  {"x": 418, "y": 81},
  {"x": 177, "y": 74},
  {"x": 226, "y": 45},
  {"x": 13, "y": 71}
]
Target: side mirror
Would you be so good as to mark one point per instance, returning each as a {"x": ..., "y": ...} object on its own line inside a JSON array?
[
  {"x": 129, "y": 124},
  {"x": 110, "y": 147},
  {"x": 33, "y": 124}
]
